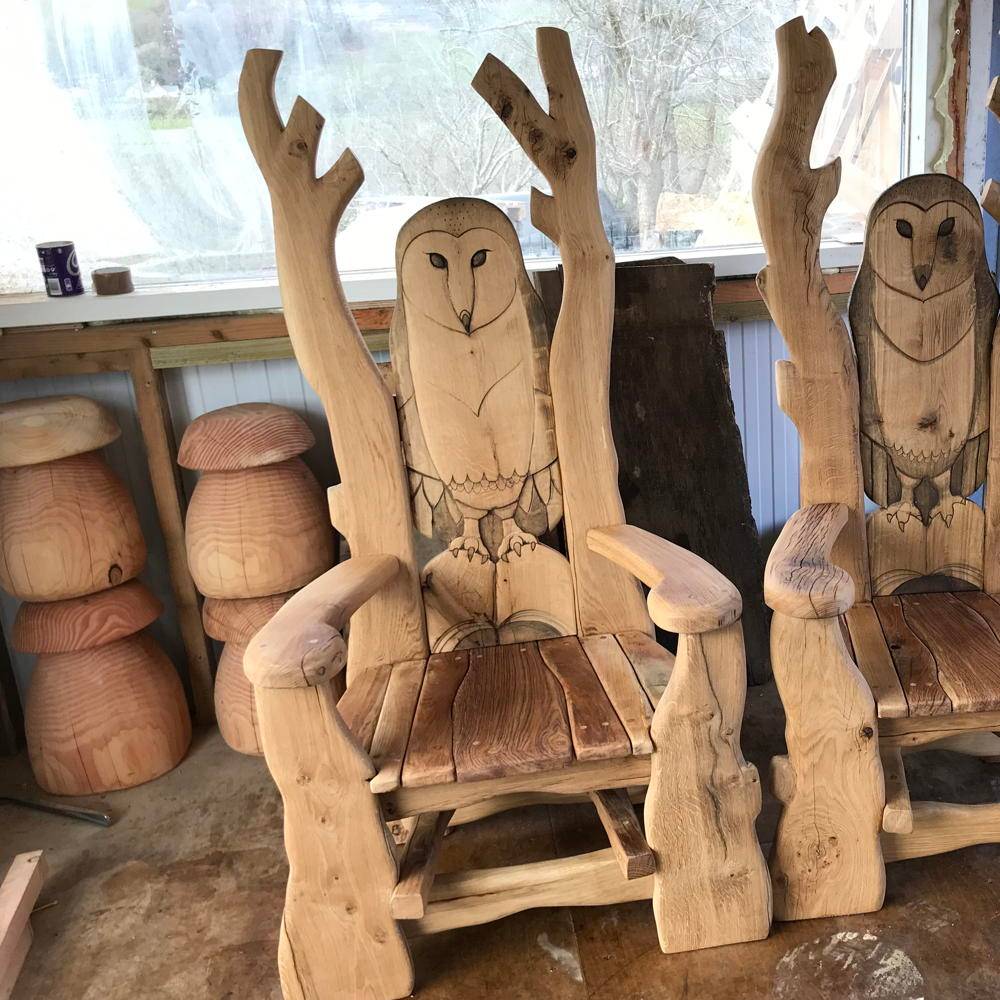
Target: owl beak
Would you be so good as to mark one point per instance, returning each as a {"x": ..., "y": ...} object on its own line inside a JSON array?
[
  {"x": 921, "y": 275},
  {"x": 466, "y": 317}
]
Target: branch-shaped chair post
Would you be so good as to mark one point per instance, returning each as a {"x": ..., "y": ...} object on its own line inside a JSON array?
[
  {"x": 818, "y": 387},
  {"x": 561, "y": 144},
  {"x": 334, "y": 358}
]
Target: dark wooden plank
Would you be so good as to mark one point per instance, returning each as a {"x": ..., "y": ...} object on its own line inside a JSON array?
[
  {"x": 594, "y": 725},
  {"x": 914, "y": 662},
  {"x": 430, "y": 758},
  {"x": 682, "y": 474},
  {"x": 871, "y": 653},
  {"x": 621, "y": 824},
  {"x": 509, "y": 715},
  {"x": 361, "y": 703},
  {"x": 965, "y": 647}
]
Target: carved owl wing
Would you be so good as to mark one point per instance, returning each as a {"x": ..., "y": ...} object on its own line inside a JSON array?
[
  {"x": 432, "y": 513},
  {"x": 969, "y": 471},
  {"x": 540, "y": 504},
  {"x": 881, "y": 481}
]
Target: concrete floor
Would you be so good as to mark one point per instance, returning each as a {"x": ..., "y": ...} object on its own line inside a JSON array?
[{"x": 181, "y": 899}]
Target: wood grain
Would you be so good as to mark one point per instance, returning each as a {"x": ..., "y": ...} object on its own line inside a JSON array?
[
  {"x": 416, "y": 872},
  {"x": 686, "y": 593},
  {"x": 394, "y": 722},
  {"x": 711, "y": 885},
  {"x": 67, "y": 528},
  {"x": 653, "y": 664},
  {"x": 826, "y": 859},
  {"x": 257, "y": 532},
  {"x": 561, "y": 144},
  {"x": 82, "y": 622},
  {"x": 341, "y": 868},
  {"x": 239, "y": 620},
  {"x": 361, "y": 704},
  {"x": 509, "y": 715},
  {"x": 939, "y": 827},
  {"x": 817, "y": 386},
  {"x": 243, "y": 436},
  {"x": 871, "y": 653},
  {"x": 614, "y": 807},
  {"x": 45, "y": 429},
  {"x": 105, "y": 718},
  {"x": 597, "y": 733},
  {"x": 334, "y": 358},
  {"x": 235, "y": 708},
  {"x": 430, "y": 758},
  {"x": 800, "y": 580},
  {"x": 897, "y": 817},
  {"x": 22, "y": 883},
  {"x": 622, "y": 688}
]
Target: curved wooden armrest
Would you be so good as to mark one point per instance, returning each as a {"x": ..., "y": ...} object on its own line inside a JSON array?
[
  {"x": 687, "y": 595},
  {"x": 301, "y": 645},
  {"x": 799, "y": 579}
]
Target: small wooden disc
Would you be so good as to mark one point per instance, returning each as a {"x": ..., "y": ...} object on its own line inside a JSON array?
[
  {"x": 33, "y": 431},
  {"x": 238, "y": 620},
  {"x": 112, "y": 280},
  {"x": 243, "y": 436},
  {"x": 83, "y": 622}
]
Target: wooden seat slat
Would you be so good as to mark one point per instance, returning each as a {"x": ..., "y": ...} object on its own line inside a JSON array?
[
  {"x": 871, "y": 653},
  {"x": 594, "y": 725},
  {"x": 509, "y": 715}
]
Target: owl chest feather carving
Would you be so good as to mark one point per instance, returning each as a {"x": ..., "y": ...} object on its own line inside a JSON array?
[
  {"x": 469, "y": 349},
  {"x": 922, "y": 314}
]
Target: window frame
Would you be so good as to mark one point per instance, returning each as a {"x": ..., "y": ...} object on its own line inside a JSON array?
[{"x": 203, "y": 298}]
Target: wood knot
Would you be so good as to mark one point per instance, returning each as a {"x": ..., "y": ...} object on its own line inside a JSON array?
[
  {"x": 115, "y": 574},
  {"x": 506, "y": 110},
  {"x": 302, "y": 779},
  {"x": 926, "y": 422},
  {"x": 867, "y": 732},
  {"x": 571, "y": 154},
  {"x": 299, "y": 148},
  {"x": 535, "y": 136}
]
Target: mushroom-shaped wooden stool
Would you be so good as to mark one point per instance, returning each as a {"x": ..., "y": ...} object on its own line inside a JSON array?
[
  {"x": 257, "y": 524},
  {"x": 235, "y": 623},
  {"x": 105, "y": 708},
  {"x": 68, "y": 526}
]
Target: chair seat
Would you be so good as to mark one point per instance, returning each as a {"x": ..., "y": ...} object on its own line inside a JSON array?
[
  {"x": 491, "y": 712},
  {"x": 929, "y": 654}
]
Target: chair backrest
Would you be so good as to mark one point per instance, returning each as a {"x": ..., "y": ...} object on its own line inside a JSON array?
[
  {"x": 470, "y": 358},
  {"x": 922, "y": 314}
]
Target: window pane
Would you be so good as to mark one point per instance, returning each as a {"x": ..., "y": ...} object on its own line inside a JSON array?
[{"x": 128, "y": 139}]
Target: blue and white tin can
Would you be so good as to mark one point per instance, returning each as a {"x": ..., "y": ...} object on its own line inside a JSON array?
[{"x": 60, "y": 268}]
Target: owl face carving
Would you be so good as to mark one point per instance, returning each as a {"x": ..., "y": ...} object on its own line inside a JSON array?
[
  {"x": 925, "y": 251},
  {"x": 462, "y": 282}
]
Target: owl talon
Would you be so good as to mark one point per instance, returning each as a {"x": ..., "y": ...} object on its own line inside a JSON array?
[
  {"x": 901, "y": 512},
  {"x": 946, "y": 509},
  {"x": 514, "y": 541},
  {"x": 471, "y": 545}
]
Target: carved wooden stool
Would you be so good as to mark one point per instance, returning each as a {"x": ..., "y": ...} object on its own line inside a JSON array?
[{"x": 105, "y": 709}]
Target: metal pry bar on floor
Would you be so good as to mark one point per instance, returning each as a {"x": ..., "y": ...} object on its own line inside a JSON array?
[{"x": 98, "y": 816}]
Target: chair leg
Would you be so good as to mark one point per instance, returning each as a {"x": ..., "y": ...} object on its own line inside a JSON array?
[
  {"x": 826, "y": 860},
  {"x": 338, "y": 938},
  {"x": 711, "y": 885}
]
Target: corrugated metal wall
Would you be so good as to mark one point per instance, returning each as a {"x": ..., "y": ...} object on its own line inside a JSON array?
[{"x": 769, "y": 441}]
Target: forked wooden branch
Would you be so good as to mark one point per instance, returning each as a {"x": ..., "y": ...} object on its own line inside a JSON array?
[
  {"x": 561, "y": 144},
  {"x": 818, "y": 387},
  {"x": 333, "y": 357}
]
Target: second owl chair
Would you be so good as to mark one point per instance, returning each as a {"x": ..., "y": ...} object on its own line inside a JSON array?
[
  {"x": 500, "y": 672},
  {"x": 886, "y": 629}
]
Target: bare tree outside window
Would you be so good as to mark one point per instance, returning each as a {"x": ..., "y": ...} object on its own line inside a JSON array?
[{"x": 130, "y": 108}]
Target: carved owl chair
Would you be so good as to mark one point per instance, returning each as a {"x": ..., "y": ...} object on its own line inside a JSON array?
[
  {"x": 886, "y": 627},
  {"x": 494, "y": 670}
]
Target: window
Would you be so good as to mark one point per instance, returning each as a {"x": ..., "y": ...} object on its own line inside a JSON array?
[{"x": 126, "y": 138}]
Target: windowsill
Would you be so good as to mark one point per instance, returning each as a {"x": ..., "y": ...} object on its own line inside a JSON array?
[{"x": 206, "y": 298}]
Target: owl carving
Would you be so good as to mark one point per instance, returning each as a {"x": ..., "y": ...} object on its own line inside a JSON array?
[
  {"x": 470, "y": 360},
  {"x": 922, "y": 314}
]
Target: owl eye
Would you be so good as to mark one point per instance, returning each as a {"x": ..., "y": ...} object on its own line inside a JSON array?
[
  {"x": 947, "y": 226},
  {"x": 479, "y": 258},
  {"x": 904, "y": 229},
  {"x": 438, "y": 261}
]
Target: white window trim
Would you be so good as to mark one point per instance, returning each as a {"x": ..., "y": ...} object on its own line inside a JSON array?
[{"x": 206, "y": 298}]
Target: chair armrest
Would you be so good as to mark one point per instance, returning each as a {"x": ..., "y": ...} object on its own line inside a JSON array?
[
  {"x": 687, "y": 595},
  {"x": 302, "y": 645},
  {"x": 799, "y": 579}
]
